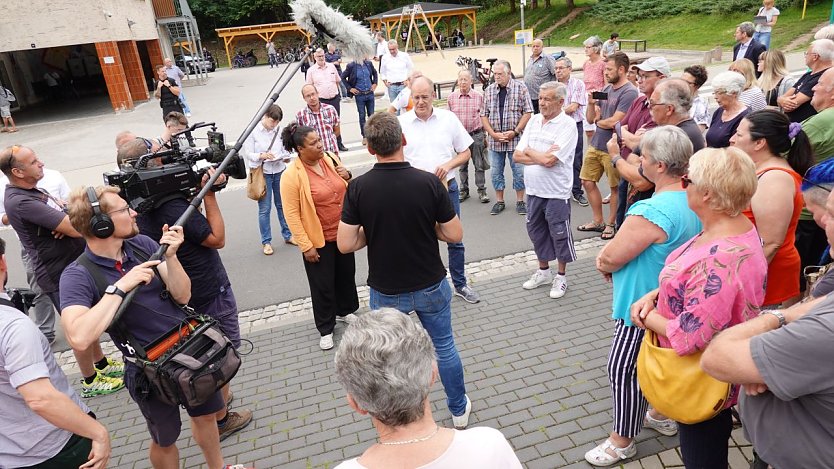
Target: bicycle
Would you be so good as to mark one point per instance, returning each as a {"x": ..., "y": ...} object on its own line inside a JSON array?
[{"x": 483, "y": 75}]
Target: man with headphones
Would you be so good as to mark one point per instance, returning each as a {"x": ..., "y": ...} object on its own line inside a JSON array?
[
  {"x": 117, "y": 250},
  {"x": 51, "y": 243},
  {"x": 211, "y": 290}
]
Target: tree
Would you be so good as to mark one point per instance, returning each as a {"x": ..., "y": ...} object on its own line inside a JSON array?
[{"x": 570, "y": 4}]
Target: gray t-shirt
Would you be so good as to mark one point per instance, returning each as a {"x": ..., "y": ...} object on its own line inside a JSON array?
[
  {"x": 619, "y": 99},
  {"x": 792, "y": 425},
  {"x": 27, "y": 439}
]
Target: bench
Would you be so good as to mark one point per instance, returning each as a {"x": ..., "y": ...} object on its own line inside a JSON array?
[{"x": 636, "y": 43}]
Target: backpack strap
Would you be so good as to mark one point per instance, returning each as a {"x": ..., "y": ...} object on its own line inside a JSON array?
[{"x": 8, "y": 303}]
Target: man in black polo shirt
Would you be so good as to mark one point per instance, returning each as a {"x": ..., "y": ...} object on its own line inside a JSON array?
[
  {"x": 167, "y": 92},
  {"x": 400, "y": 213},
  {"x": 211, "y": 291},
  {"x": 51, "y": 243}
]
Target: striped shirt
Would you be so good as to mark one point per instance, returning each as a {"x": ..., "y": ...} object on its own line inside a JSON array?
[
  {"x": 468, "y": 109},
  {"x": 517, "y": 103},
  {"x": 539, "y": 70},
  {"x": 576, "y": 94},
  {"x": 324, "y": 122}
]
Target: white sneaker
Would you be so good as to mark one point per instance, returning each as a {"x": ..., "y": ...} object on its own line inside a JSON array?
[
  {"x": 540, "y": 277},
  {"x": 560, "y": 286},
  {"x": 348, "y": 318},
  {"x": 461, "y": 421},
  {"x": 326, "y": 342},
  {"x": 666, "y": 427}
]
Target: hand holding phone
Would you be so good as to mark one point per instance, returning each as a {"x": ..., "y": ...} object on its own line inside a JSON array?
[{"x": 599, "y": 95}]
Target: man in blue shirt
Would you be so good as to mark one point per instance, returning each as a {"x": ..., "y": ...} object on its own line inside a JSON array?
[{"x": 361, "y": 79}]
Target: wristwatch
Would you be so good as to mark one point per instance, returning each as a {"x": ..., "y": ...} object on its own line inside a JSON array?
[
  {"x": 778, "y": 314},
  {"x": 114, "y": 290}
]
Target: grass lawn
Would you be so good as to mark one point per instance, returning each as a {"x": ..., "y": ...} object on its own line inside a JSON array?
[{"x": 676, "y": 32}]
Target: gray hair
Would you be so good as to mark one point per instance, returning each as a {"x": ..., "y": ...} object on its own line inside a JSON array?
[
  {"x": 729, "y": 82},
  {"x": 567, "y": 61},
  {"x": 669, "y": 145},
  {"x": 817, "y": 195},
  {"x": 595, "y": 42},
  {"x": 747, "y": 28},
  {"x": 506, "y": 65},
  {"x": 131, "y": 151},
  {"x": 560, "y": 89},
  {"x": 384, "y": 133},
  {"x": 393, "y": 42},
  {"x": 675, "y": 91},
  {"x": 826, "y": 32},
  {"x": 385, "y": 362},
  {"x": 824, "y": 48}
]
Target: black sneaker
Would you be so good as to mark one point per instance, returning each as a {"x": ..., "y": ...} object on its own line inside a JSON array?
[
  {"x": 497, "y": 208},
  {"x": 464, "y": 194},
  {"x": 580, "y": 199},
  {"x": 521, "y": 207}
]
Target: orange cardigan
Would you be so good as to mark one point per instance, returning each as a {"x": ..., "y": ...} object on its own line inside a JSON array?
[{"x": 299, "y": 210}]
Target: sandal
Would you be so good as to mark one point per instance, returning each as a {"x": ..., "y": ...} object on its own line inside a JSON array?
[
  {"x": 608, "y": 232},
  {"x": 600, "y": 456},
  {"x": 592, "y": 226}
]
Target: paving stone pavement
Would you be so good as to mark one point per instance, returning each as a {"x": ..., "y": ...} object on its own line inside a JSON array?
[{"x": 535, "y": 369}]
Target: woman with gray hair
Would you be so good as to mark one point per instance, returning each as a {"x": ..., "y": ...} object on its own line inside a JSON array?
[
  {"x": 593, "y": 74},
  {"x": 633, "y": 259},
  {"x": 386, "y": 363},
  {"x": 727, "y": 87}
]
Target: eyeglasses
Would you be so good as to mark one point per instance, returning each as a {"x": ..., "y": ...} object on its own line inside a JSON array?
[
  {"x": 685, "y": 181},
  {"x": 126, "y": 208},
  {"x": 808, "y": 181},
  {"x": 651, "y": 104}
]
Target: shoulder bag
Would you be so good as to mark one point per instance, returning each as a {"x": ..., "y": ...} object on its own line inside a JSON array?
[{"x": 256, "y": 182}]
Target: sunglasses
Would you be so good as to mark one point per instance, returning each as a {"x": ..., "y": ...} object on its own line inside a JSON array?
[
  {"x": 685, "y": 181},
  {"x": 808, "y": 181}
]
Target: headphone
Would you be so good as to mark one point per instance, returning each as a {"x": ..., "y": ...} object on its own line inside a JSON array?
[{"x": 100, "y": 223}]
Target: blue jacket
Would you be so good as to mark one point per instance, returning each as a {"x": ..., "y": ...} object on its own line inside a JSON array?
[{"x": 349, "y": 75}]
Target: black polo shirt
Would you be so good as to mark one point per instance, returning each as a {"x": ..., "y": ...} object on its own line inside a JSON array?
[{"x": 398, "y": 206}]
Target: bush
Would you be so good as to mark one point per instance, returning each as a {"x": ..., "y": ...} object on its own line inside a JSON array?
[{"x": 617, "y": 11}]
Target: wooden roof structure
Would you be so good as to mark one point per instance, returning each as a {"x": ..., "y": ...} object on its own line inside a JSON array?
[
  {"x": 435, "y": 12},
  {"x": 264, "y": 31}
]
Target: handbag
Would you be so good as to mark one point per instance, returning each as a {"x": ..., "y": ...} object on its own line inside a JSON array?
[
  {"x": 676, "y": 386},
  {"x": 256, "y": 183}
]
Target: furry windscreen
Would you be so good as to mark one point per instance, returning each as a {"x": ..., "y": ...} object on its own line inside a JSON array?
[{"x": 351, "y": 37}]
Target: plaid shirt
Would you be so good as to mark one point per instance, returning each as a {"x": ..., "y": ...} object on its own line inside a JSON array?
[
  {"x": 468, "y": 109},
  {"x": 324, "y": 121},
  {"x": 576, "y": 94},
  {"x": 517, "y": 103}
]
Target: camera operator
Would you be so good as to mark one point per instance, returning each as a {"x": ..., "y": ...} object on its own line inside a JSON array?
[
  {"x": 87, "y": 313},
  {"x": 51, "y": 243},
  {"x": 211, "y": 291},
  {"x": 174, "y": 122},
  {"x": 167, "y": 92},
  {"x": 54, "y": 428}
]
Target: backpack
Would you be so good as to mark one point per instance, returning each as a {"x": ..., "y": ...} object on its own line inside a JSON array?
[
  {"x": 188, "y": 364},
  {"x": 8, "y": 95}
]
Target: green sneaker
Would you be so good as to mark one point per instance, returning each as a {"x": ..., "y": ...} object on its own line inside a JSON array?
[
  {"x": 114, "y": 369},
  {"x": 101, "y": 386}
]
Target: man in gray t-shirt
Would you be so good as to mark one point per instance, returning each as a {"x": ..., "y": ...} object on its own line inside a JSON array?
[{"x": 788, "y": 409}]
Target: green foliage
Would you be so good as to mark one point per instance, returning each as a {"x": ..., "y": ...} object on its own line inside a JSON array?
[{"x": 616, "y": 11}]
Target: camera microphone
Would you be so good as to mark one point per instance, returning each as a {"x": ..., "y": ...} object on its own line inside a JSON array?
[{"x": 314, "y": 16}]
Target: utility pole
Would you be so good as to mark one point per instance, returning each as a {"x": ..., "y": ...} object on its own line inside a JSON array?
[{"x": 523, "y": 53}]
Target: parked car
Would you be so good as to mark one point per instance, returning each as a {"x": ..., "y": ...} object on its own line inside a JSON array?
[{"x": 190, "y": 64}]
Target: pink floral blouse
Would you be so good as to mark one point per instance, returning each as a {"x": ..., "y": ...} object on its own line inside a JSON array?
[{"x": 708, "y": 288}]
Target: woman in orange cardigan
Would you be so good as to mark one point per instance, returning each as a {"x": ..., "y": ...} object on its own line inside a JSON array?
[{"x": 312, "y": 190}]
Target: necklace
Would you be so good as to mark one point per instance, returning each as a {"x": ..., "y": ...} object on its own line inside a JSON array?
[{"x": 415, "y": 440}]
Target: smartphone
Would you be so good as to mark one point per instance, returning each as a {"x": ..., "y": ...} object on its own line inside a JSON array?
[{"x": 599, "y": 95}]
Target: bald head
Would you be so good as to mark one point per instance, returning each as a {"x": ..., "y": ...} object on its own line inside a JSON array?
[{"x": 123, "y": 137}]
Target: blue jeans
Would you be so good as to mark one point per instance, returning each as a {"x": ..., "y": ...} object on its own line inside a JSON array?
[
  {"x": 186, "y": 109},
  {"x": 764, "y": 38},
  {"x": 393, "y": 91},
  {"x": 457, "y": 255},
  {"x": 273, "y": 191},
  {"x": 497, "y": 159},
  {"x": 433, "y": 306},
  {"x": 365, "y": 108}
]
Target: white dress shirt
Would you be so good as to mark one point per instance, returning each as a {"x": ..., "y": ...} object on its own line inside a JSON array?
[
  {"x": 258, "y": 142},
  {"x": 395, "y": 69},
  {"x": 434, "y": 141}
]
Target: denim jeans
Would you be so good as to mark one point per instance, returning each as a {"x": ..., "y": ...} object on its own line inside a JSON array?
[
  {"x": 433, "y": 306},
  {"x": 764, "y": 38},
  {"x": 365, "y": 108},
  {"x": 186, "y": 109},
  {"x": 577, "y": 159},
  {"x": 393, "y": 91},
  {"x": 273, "y": 191},
  {"x": 457, "y": 257},
  {"x": 497, "y": 159}
]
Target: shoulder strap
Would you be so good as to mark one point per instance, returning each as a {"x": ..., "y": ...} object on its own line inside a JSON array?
[
  {"x": 8, "y": 303},
  {"x": 330, "y": 155}
]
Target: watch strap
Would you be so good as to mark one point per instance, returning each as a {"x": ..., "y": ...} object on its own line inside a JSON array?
[{"x": 776, "y": 313}]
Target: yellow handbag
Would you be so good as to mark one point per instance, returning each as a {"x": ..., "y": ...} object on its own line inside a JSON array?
[
  {"x": 676, "y": 385},
  {"x": 256, "y": 183}
]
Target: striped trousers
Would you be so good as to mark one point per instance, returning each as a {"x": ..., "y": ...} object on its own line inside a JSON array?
[{"x": 629, "y": 404}]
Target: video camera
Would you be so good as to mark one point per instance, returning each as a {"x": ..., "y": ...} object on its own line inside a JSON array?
[{"x": 175, "y": 171}]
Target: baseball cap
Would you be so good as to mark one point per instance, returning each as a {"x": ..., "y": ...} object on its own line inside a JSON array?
[{"x": 656, "y": 64}]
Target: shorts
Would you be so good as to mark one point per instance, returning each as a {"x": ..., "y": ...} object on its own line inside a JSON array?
[
  {"x": 548, "y": 225},
  {"x": 595, "y": 164},
  {"x": 164, "y": 423},
  {"x": 6, "y": 111},
  {"x": 223, "y": 308}
]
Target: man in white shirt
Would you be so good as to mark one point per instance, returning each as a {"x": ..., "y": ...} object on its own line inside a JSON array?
[
  {"x": 381, "y": 47},
  {"x": 438, "y": 143},
  {"x": 394, "y": 69},
  {"x": 546, "y": 150}
]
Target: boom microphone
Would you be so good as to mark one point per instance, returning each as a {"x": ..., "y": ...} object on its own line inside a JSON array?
[{"x": 316, "y": 17}]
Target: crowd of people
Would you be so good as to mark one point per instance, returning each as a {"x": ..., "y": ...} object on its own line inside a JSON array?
[{"x": 718, "y": 227}]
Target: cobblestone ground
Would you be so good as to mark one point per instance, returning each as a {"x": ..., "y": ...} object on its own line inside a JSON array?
[{"x": 535, "y": 369}]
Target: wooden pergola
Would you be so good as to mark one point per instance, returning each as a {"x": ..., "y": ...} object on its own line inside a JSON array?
[
  {"x": 435, "y": 12},
  {"x": 263, "y": 31}
]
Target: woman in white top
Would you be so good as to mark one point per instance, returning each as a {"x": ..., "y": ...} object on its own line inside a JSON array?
[
  {"x": 386, "y": 363},
  {"x": 763, "y": 30},
  {"x": 752, "y": 96}
]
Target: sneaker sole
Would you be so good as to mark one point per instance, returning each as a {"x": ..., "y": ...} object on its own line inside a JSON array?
[
  {"x": 467, "y": 299},
  {"x": 524, "y": 286},
  {"x": 665, "y": 432},
  {"x": 88, "y": 394},
  {"x": 557, "y": 296}
]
